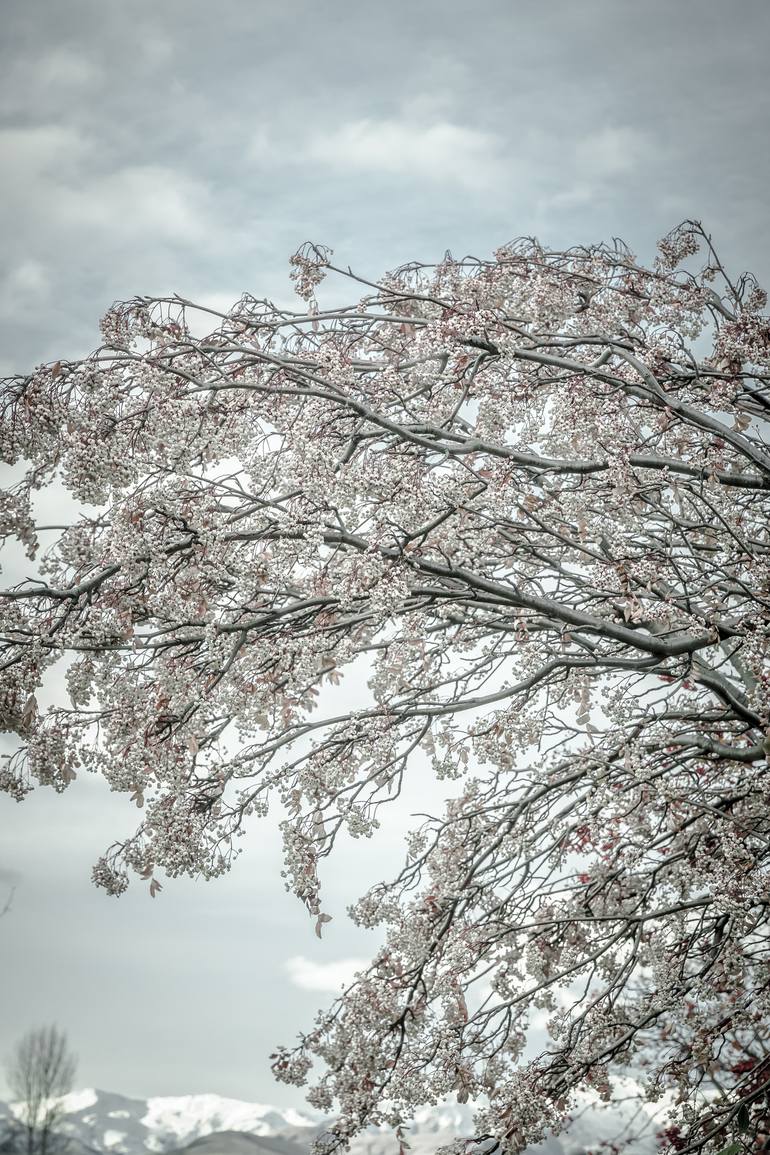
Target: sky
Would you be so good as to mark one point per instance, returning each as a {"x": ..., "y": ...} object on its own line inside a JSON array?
[{"x": 191, "y": 147}]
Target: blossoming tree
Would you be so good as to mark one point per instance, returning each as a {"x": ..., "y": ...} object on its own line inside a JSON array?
[{"x": 530, "y": 496}]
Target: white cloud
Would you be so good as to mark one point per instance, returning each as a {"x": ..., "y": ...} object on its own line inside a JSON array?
[
  {"x": 309, "y": 975},
  {"x": 29, "y": 281},
  {"x": 610, "y": 152},
  {"x": 157, "y": 48},
  {"x": 31, "y": 152},
  {"x": 139, "y": 200},
  {"x": 441, "y": 151},
  {"x": 64, "y": 68},
  {"x": 598, "y": 161},
  {"x": 52, "y": 173},
  {"x": 27, "y": 285},
  {"x": 47, "y": 80}
]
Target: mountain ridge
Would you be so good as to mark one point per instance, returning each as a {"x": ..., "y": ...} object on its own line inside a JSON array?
[{"x": 101, "y": 1122}]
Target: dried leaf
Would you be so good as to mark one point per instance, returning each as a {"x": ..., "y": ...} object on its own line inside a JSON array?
[
  {"x": 462, "y": 1006},
  {"x": 322, "y": 918},
  {"x": 30, "y": 709},
  {"x": 154, "y": 887}
]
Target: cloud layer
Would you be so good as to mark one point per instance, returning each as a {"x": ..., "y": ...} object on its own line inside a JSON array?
[{"x": 312, "y": 975}]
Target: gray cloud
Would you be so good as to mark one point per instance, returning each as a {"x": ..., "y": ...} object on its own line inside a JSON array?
[{"x": 189, "y": 149}]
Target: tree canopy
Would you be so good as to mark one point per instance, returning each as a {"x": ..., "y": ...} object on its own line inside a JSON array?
[{"x": 528, "y": 497}]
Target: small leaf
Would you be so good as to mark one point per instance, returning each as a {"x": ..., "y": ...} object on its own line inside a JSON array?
[
  {"x": 322, "y": 918},
  {"x": 30, "y": 709},
  {"x": 731, "y": 1149},
  {"x": 192, "y": 744},
  {"x": 744, "y": 1119}
]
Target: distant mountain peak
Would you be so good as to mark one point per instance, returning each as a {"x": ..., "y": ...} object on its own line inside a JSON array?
[
  {"x": 111, "y": 1123},
  {"x": 105, "y": 1123}
]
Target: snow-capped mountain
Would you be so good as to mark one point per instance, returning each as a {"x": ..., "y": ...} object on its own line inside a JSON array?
[{"x": 105, "y": 1123}]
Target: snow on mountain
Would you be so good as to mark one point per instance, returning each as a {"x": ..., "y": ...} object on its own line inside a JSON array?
[
  {"x": 107, "y": 1122},
  {"x": 190, "y": 1116},
  {"x": 592, "y": 1125},
  {"x": 110, "y": 1124}
]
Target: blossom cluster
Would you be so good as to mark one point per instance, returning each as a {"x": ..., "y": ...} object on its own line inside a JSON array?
[{"x": 505, "y": 521}]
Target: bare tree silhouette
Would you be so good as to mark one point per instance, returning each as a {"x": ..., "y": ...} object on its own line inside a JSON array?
[{"x": 41, "y": 1070}]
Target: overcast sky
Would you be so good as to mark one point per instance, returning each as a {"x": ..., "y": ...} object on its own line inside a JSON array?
[{"x": 186, "y": 146}]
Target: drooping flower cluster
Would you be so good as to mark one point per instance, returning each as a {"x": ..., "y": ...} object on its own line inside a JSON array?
[{"x": 509, "y": 516}]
